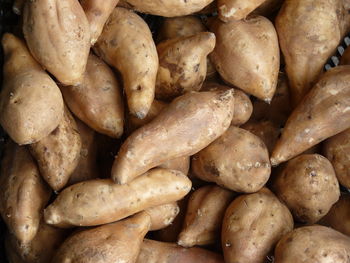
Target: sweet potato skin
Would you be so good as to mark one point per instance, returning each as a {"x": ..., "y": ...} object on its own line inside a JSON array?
[
  {"x": 235, "y": 9},
  {"x": 101, "y": 201},
  {"x": 187, "y": 125},
  {"x": 162, "y": 216}
]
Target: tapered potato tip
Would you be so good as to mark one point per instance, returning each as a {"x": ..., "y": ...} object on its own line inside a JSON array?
[
  {"x": 186, "y": 240},
  {"x": 51, "y": 216}
]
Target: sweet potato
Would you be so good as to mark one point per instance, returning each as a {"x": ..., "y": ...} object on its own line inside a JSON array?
[
  {"x": 58, "y": 36},
  {"x": 126, "y": 43},
  {"x": 337, "y": 151},
  {"x": 101, "y": 201},
  {"x": 58, "y": 154},
  {"x": 205, "y": 212},
  {"x": 230, "y": 10},
  {"x": 161, "y": 252},
  {"x": 252, "y": 226},
  {"x": 308, "y": 186},
  {"x": 309, "y": 33},
  {"x": 338, "y": 216},
  {"x": 97, "y": 101},
  {"x": 187, "y": 125},
  {"x": 238, "y": 160},
  {"x": 268, "y": 7},
  {"x": 253, "y": 45},
  {"x": 324, "y": 112},
  {"x": 313, "y": 244},
  {"x": 116, "y": 242},
  {"x": 169, "y": 8},
  {"x": 23, "y": 193},
  {"x": 31, "y": 104},
  {"x": 181, "y": 164},
  {"x": 183, "y": 64},
  {"x": 162, "y": 215},
  {"x": 97, "y": 13}
]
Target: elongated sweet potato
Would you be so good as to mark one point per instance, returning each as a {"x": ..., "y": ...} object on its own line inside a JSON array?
[
  {"x": 169, "y": 8},
  {"x": 97, "y": 13},
  {"x": 183, "y": 64},
  {"x": 162, "y": 215},
  {"x": 116, "y": 242},
  {"x": 101, "y": 201},
  {"x": 23, "y": 193},
  {"x": 309, "y": 33},
  {"x": 161, "y": 252},
  {"x": 126, "y": 43},
  {"x": 236, "y": 9},
  {"x": 57, "y": 33},
  {"x": 58, "y": 154},
  {"x": 205, "y": 212},
  {"x": 247, "y": 55},
  {"x": 187, "y": 125},
  {"x": 97, "y": 101},
  {"x": 31, "y": 105},
  {"x": 324, "y": 112}
]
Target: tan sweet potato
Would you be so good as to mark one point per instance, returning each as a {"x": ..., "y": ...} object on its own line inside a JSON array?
[
  {"x": 162, "y": 215},
  {"x": 338, "y": 216},
  {"x": 187, "y": 125},
  {"x": 230, "y": 10},
  {"x": 57, "y": 34},
  {"x": 58, "y": 154},
  {"x": 161, "y": 252},
  {"x": 253, "y": 45},
  {"x": 324, "y": 112},
  {"x": 308, "y": 186},
  {"x": 238, "y": 160},
  {"x": 181, "y": 164},
  {"x": 97, "y": 13},
  {"x": 169, "y": 8},
  {"x": 23, "y": 193},
  {"x": 205, "y": 212},
  {"x": 337, "y": 151},
  {"x": 183, "y": 64},
  {"x": 31, "y": 105},
  {"x": 309, "y": 33},
  {"x": 126, "y": 43},
  {"x": 268, "y": 7},
  {"x": 252, "y": 226},
  {"x": 313, "y": 244},
  {"x": 87, "y": 166},
  {"x": 97, "y": 101},
  {"x": 116, "y": 242},
  {"x": 101, "y": 201}
]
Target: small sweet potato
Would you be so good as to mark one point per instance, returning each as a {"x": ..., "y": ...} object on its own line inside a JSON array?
[{"x": 163, "y": 215}]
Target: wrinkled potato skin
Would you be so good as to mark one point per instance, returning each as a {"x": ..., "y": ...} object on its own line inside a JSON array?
[
  {"x": 97, "y": 13},
  {"x": 116, "y": 242},
  {"x": 253, "y": 44},
  {"x": 313, "y": 244},
  {"x": 163, "y": 215},
  {"x": 308, "y": 35},
  {"x": 161, "y": 252},
  {"x": 86, "y": 168},
  {"x": 338, "y": 217},
  {"x": 267, "y": 131},
  {"x": 238, "y": 160},
  {"x": 187, "y": 125},
  {"x": 230, "y": 10},
  {"x": 183, "y": 64},
  {"x": 58, "y": 36},
  {"x": 97, "y": 101},
  {"x": 31, "y": 105},
  {"x": 324, "y": 112},
  {"x": 182, "y": 26},
  {"x": 168, "y": 8},
  {"x": 243, "y": 107},
  {"x": 126, "y": 43},
  {"x": 101, "y": 201},
  {"x": 42, "y": 248},
  {"x": 252, "y": 226},
  {"x": 205, "y": 212},
  {"x": 337, "y": 151},
  {"x": 308, "y": 186},
  {"x": 58, "y": 154},
  {"x": 23, "y": 193}
]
